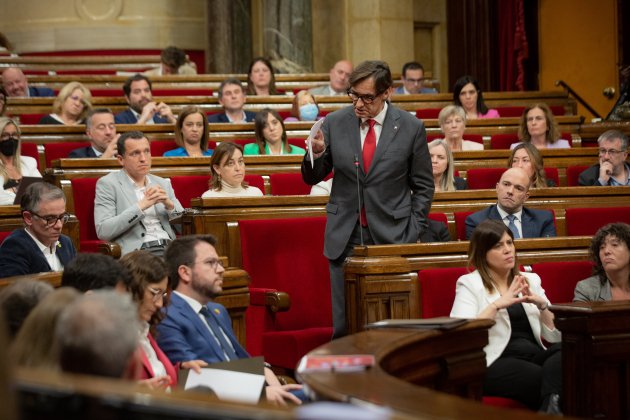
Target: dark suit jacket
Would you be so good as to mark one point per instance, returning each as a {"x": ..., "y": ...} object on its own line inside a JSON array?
[
  {"x": 396, "y": 193},
  {"x": 183, "y": 336},
  {"x": 534, "y": 223},
  {"x": 400, "y": 90},
  {"x": 128, "y": 117},
  {"x": 20, "y": 255},
  {"x": 590, "y": 176},
  {"x": 460, "y": 183},
  {"x": 82, "y": 152},
  {"x": 35, "y": 92},
  {"x": 222, "y": 118},
  {"x": 437, "y": 232}
]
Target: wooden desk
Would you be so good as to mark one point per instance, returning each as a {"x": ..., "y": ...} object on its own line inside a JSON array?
[
  {"x": 415, "y": 372},
  {"x": 595, "y": 357}
]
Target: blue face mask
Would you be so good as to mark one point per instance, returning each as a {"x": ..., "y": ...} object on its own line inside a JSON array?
[{"x": 308, "y": 112}]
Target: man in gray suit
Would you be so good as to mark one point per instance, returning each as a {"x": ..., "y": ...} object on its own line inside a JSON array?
[
  {"x": 384, "y": 147},
  {"x": 338, "y": 85},
  {"x": 132, "y": 207}
]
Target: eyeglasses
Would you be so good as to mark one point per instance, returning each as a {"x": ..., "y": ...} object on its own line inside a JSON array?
[
  {"x": 52, "y": 220},
  {"x": 214, "y": 263},
  {"x": 414, "y": 81},
  {"x": 157, "y": 294},
  {"x": 367, "y": 99},
  {"x": 611, "y": 152}
]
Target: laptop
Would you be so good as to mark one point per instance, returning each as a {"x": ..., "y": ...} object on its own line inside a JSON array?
[{"x": 24, "y": 183}]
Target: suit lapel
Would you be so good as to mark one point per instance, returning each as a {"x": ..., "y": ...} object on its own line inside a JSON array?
[
  {"x": 527, "y": 225},
  {"x": 187, "y": 312}
]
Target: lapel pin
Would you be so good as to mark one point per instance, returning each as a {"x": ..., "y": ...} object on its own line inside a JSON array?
[
  {"x": 395, "y": 127},
  {"x": 216, "y": 311}
]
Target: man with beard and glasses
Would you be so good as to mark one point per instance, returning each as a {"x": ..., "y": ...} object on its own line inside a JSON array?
[
  {"x": 197, "y": 328},
  {"x": 142, "y": 108}
]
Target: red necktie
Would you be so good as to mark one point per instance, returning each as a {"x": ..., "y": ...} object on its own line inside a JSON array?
[{"x": 369, "y": 146}]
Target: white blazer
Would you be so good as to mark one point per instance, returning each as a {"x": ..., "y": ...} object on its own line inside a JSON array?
[
  {"x": 29, "y": 168},
  {"x": 471, "y": 298}
]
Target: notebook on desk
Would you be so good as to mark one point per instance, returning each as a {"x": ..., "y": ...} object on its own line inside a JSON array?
[
  {"x": 24, "y": 183},
  {"x": 440, "y": 323}
]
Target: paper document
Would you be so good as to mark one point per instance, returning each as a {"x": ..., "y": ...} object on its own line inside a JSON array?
[
  {"x": 228, "y": 385},
  {"x": 314, "y": 129}
]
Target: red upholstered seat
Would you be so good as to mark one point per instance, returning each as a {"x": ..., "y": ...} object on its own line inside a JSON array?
[
  {"x": 288, "y": 184},
  {"x": 510, "y": 111},
  {"x": 284, "y": 113},
  {"x": 159, "y": 147},
  {"x": 573, "y": 174},
  {"x": 460, "y": 224},
  {"x": 439, "y": 217},
  {"x": 428, "y": 113},
  {"x": 552, "y": 173},
  {"x": 30, "y": 149},
  {"x": 292, "y": 262},
  {"x": 483, "y": 178},
  {"x": 83, "y": 192},
  {"x": 3, "y": 235},
  {"x": 297, "y": 141},
  {"x": 30, "y": 119},
  {"x": 503, "y": 141},
  {"x": 503, "y": 402},
  {"x": 182, "y": 92},
  {"x": 557, "y": 110},
  {"x": 54, "y": 151},
  {"x": 437, "y": 290},
  {"x": 587, "y": 221},
  {"x": 243, "y": 142},
  {"x": 477, "y": 138},
  {"x": 559, "y": 278},
  {"x": 187, "y": 187}
]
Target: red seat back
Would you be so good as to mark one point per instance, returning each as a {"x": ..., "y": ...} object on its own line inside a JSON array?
[
  {"x": 573, "y": 174},
  {"x": 460, "y": 223},
  {"x": 187, "y": 187},
  {"x": 293, "y": 263},
  {"x": 484, "y": 178},
  {"x": 288, "y": 184},
  {"x": 30, "y": 149},
  {"x": 437, "y": 290},
  {"x": 587, "y": 221},
  {"x": 428, "y": 113},
  {"x": 510, "y": 111},
  {"x": 256, "y": 181},
  {"x": 552, "y": 173},
  {"x": 4, "y": 234},
  {"x": 83, "y": 192},
  {"x": 159, "y": 147},
  {"x": 30, "y": 119},
  {"x": 243, "y": 142},
  {"x": 559, "y": 278},
  {"x": 54, "y": 151},
  {"x": 297, "y": 142},
  {"x": 503, "y": 141},
  {"x": 439, "y": 217}
]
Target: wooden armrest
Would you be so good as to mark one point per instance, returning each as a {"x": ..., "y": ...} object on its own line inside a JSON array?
[
  {"x": 110, "y": 248},
  {"x": 272, "y": 299}
]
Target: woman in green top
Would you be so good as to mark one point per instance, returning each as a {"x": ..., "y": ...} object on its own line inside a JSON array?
[{"x": 271, "y": 137}]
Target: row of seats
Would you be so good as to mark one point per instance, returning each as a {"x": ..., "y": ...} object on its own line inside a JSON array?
[{"x": 504, "y": 111}]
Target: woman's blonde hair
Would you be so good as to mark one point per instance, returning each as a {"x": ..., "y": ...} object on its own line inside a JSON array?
[
  {"x": 17, "y": 163},
  {"x": 66, "y": 92},
  {"x": 449, "y": 110},
  {"x": 447, "y": 183}
]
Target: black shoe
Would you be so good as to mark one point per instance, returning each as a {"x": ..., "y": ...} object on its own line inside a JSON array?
[{"x": 551, "y": 405}]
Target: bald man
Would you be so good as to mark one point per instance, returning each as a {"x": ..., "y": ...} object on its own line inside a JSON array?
[
  {"x": 15, "y": 84},
  {"x": 339, "y": 80},
  {"x": 512, "y": 192}
]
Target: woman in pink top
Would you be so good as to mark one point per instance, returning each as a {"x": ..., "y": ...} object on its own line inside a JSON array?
[{"x": 468, "y": 95}]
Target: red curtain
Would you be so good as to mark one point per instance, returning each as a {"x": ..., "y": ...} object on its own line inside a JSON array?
[{"x": 513, "y": 48}]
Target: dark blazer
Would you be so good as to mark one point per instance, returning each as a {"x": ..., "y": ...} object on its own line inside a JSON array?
[
  {"x": 183, "y": 336},
  {"x": 437, "y": 232},
  {"x": 398, "y": 190},
  {"x": 20, "y": 255},
  {"x": 590, "y": 176},
  {"x": 34, "y": 92},
  {"x": 222, "y": 118},
  {"x": 82, "y": 152},
  {"x": 535, "y": 223},
  {"x": 128, "y": 117},
  {"x": 49, "y": 120},
  {"x": 460, "y": 183}
]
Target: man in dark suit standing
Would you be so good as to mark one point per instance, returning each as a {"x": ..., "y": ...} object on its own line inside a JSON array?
[
  {"x": 232, "y": 99},
  {"x": 40, "y": 246},
  {"x": 512, "y": 192},
  {"x": 196, "y": 327},
  {"x": 101, "y": 130},
  {"x": 142, "y": 107},
  {"x": 387, "y": 149},
  {"x": 15, "y": 84}
]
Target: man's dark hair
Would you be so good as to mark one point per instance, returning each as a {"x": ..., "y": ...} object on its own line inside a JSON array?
[
  {"x": 378, "y": 70},
  {"x": 182, "y": 252},
  {"x": 412, "y": 65},
  {"x": 173, "y": 57},
  {"x": 38, "y": 192},
  {"x": 18, "y": 300},
  {"x": 91, "y": 113},
  {"x": 135, "y": 78},
  {"x": 230, "y": 81},
  {"x": 94, "y": 272},
  {"x": 120, "y": 144}
]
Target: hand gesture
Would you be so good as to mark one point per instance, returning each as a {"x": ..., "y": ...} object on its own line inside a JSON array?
[
  {"x": 531, "y": 297},
  {"x": 279, "y": 394},
  {"x": 112, "y": 149},
  {"x": 511, "y": 297},
  {"x": 605, "y": 171},
  {"x": 165, "y": 111},
  {"x": 195, "y": 365},
  {"x": 152, "y": 195},
  {"x": 159, "y": 382},
  {"x": 148, "y": 111},
  {"x": 318, "y": 144}
]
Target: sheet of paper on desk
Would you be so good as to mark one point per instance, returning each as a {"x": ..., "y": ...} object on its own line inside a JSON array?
[
  {"x": 229, "y": 385},
  {"x": 314, "y": 129}
]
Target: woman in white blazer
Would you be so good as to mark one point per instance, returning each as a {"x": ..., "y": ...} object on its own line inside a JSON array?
[{"x": 520, "y": 367}]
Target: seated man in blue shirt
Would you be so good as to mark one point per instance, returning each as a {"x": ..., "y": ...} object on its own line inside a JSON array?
[
  {"x": 612, "y": 168},
  {"x": 142, "y": 108}
]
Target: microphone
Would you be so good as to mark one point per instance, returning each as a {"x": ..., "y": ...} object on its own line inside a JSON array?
[{"x": 356, "y": 166}]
